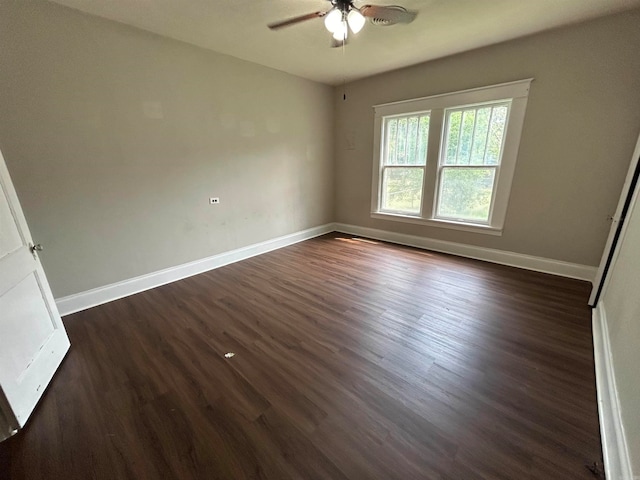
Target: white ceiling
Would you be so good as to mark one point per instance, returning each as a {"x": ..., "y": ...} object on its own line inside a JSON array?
[{"x": 443, "y": 27}]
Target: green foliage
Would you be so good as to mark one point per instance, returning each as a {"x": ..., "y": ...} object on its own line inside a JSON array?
[
  {"x": 406, "y": 140},
  {"x": 474, "y": 135},
  {"x": 465, "y": 193},
  {"x": 402, "y": 189}
]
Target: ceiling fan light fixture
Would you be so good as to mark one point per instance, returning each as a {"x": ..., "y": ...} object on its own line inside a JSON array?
[
  {"x": 356, "y": 20},
  {"x": 340, "y": 33},
  {"x": 333, "y": 20}
]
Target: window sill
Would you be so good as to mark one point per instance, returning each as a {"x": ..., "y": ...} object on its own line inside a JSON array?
[{"x": 465, "y": 227}]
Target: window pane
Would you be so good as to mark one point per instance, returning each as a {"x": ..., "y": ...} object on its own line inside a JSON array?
[
  {"x": 453, "y": 136},
  {"x": 392, "y": 140},
  {"x": 496, "y": 132},
  {"x": 402, "y": 141},
  {"x": 423, "y": 140},
  {"x": 468, "y": 122},
  {"x": 483, "y": 117},
  {"x": 407, "y": 139},
  {"x": 402, "y": 189},
  {"x": 474, "y": 135},
  {"x": 412, "y": 140},
  {"x": 465, "y": 193}
]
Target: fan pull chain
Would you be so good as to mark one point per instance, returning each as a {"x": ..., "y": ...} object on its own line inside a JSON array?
[{"x": 344, "y": 73}]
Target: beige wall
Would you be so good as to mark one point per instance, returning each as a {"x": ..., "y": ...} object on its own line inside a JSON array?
[
  {"x": 581, "y": 125},
  {"x": 112, "y": 193}
]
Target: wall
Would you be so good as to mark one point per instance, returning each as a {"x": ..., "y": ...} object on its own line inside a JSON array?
[
  {"x": 580, "y": 128},
  {"x": 114, "y": 192},
  {"x": 621, "y": 303}
]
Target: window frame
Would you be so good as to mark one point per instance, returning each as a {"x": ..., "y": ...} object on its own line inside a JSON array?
[
  {"x": 516, "y": 93},
  {"x": 384, "y": 166},
  {"x": 442, "y": 165}
]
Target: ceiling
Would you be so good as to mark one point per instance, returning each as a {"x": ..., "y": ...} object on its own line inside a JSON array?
[{"x": 443, "y": 27}]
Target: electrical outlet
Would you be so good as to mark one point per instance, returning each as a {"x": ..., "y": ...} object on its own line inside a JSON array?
[{"x": 214, "y": 200}]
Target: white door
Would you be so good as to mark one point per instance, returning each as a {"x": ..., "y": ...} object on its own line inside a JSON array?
[
  {"x": 617, "y": 222},
  {"x": 33, "y": 341}
]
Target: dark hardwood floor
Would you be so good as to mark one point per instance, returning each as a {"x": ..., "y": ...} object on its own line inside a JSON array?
[{"x": 354, "y": 359}]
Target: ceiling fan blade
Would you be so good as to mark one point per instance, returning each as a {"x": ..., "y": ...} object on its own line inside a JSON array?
[
  {"x": 388, "y": 15},
  {"x": 294, "y": 20}
]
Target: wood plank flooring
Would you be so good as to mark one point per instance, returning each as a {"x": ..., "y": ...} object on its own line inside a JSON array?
[{"x": 354, "y": 359}]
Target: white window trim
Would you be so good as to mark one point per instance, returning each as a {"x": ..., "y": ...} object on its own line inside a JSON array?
[{"x": 517, "y": 92}]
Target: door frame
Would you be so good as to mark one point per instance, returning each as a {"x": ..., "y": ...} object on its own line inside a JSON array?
[{"x": 610, "y": 253}]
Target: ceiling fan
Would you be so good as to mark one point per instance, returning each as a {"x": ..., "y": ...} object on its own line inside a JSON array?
[{"x": 344, "y": 16}]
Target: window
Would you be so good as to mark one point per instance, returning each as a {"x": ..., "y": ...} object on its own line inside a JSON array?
[
  {"x": 404, "y": 162},
  {"x": 448, "y": 160}
]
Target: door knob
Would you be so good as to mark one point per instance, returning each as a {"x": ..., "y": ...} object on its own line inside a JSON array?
[{"x": 36, "y": 248}]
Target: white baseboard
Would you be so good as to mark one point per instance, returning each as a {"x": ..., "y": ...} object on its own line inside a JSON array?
[
  {"x": 614, "y": 444},
  {"x": 528, "y": 262},
  {"x": 98, "y": 296}
]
